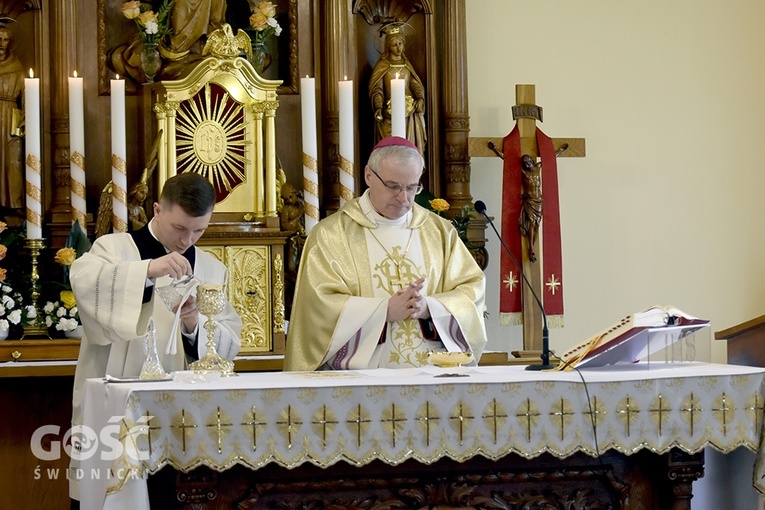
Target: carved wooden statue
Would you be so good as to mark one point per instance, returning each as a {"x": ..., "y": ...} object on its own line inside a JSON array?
[
  {"x": 11, "y": 149},
  {"x": 292, "y": 210},
  {"x": 136, "y": 213},
  {"x": 394, "y": 64},
  {"x": 531, "y": 202}
]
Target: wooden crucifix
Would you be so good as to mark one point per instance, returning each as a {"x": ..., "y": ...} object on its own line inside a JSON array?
[{"x": 526, "y": 113}]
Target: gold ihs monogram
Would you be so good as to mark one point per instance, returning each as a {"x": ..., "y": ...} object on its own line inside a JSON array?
[{"x": 395, "y": 271}]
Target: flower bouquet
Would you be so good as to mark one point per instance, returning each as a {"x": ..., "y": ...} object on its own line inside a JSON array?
[
  {"x": 439, "y": 206},
  {"x": 263, "y": 24},
  {"x": 152, "y": 27},
  {"x": 14, "y": 314},
  {"x": 62, "y": 314}
]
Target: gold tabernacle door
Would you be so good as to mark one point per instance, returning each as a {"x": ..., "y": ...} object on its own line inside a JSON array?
[{"x": 218, "y": 119}]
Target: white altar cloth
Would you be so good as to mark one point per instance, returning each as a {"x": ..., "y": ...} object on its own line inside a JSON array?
[{"x": 291, "y": 418}]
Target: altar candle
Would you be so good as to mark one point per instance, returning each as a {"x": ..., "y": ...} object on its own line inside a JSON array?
[
  {"x": 347, "y": 185},
  {"x": 77, "y": 151},
  {"x": 310, "y": 153},
  {"x": 397, "y": 114},
  {"x": 119, "y": 157},
  {"x": 33, "y": 159}
]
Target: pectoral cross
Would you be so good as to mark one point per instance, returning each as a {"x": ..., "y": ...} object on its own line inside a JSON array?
[
  {"x": 391, "y": 263},
  {"x": 398, "y": 281},
  {"x": 526, "y": 113}
]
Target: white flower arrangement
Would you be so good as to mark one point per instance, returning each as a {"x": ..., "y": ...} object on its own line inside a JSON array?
[
  {"x": 12, "y": 309},
  {"x": 64, "y": 319}
]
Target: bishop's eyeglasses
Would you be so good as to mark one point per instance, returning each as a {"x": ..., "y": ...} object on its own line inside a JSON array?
[{"x": 395, "y": 188}]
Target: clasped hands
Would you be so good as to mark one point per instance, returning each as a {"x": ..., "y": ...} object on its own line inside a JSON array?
[
  {"x": 408, "y": 303},
  {"x": 176, "y": 266}
]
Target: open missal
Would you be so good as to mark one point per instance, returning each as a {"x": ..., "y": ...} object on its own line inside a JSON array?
[{"x": 634, "y": 338}]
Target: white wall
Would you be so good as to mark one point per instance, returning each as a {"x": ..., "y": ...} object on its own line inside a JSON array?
[{"x": 667, "y": 206}]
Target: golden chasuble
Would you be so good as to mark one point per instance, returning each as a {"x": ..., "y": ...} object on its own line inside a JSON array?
[
  {"x": 395, "y": 260},
  {"x": 344, "y": 284}
]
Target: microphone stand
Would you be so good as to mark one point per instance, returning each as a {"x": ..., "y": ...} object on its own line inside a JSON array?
[{"x": 480, "y": 208}]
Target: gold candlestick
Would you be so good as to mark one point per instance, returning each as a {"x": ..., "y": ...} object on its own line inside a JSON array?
[
  {"x": 211, "y": 300},
  {"x": 38, "y": 328}
]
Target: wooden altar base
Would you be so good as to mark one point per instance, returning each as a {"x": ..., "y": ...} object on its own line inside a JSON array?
[{"x": 637, "y": 482}]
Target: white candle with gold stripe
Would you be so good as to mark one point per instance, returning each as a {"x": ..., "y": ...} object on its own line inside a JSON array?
[
  {"x": 347, "y": 181},
  {"x": 77, "y": 151},
  {"x": 119, "y": 157},
  {"x": 33, "y": 158},
  {"x": 310, "y": 153}
]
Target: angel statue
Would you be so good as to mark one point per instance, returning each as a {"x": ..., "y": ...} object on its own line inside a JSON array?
[
  {"x": 292, "y": 210},
  {"x": 136, "y": 197}
]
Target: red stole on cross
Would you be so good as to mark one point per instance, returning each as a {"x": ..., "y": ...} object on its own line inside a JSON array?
[{"x": 510, "y": 294}]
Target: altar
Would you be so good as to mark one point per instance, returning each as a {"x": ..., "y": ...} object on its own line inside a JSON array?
[{"x": 341, "y": 422}]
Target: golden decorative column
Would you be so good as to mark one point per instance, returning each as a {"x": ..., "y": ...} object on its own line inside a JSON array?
[{"x": 270, "y": 157}]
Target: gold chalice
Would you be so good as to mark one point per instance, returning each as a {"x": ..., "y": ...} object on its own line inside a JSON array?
[{"x": 211, "y": 300}]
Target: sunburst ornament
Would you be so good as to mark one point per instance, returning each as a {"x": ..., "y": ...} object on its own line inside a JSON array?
[
  {"x": 511, "y": 281},
  {"x": 211, "y": 139},
  {"x": 553, "y": 284}
]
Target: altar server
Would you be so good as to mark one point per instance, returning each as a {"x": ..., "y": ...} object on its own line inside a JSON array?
[
  {"x": 384, "y": 281},
  {"x": 114, "y": 285}
]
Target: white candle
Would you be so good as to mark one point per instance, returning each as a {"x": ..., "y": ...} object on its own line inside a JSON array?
[
  {"x": 397, "y": 113},
  {"x": 310, "y": 153},
  {"x": 119, "y": 157},
  {"x": 33, "y": 158},
  {"x": 347, "y": 185},
  {"x": 77, "y": 151}
]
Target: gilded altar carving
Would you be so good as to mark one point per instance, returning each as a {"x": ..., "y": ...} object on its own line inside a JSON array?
[
  {"x": 278, "y": 293},
  {"x": 249, "y": 292}
]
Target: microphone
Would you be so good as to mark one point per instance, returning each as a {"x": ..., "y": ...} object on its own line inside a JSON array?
[{"x": 480, "y": 208}]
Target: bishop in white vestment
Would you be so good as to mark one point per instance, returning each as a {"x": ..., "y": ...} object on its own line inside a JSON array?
[{"x": 383, "y": 281}]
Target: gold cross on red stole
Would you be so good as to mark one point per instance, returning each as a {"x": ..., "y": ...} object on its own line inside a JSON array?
[
  {"x": 552, "y": 284},
  {"x": 511, "y": 281}
]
